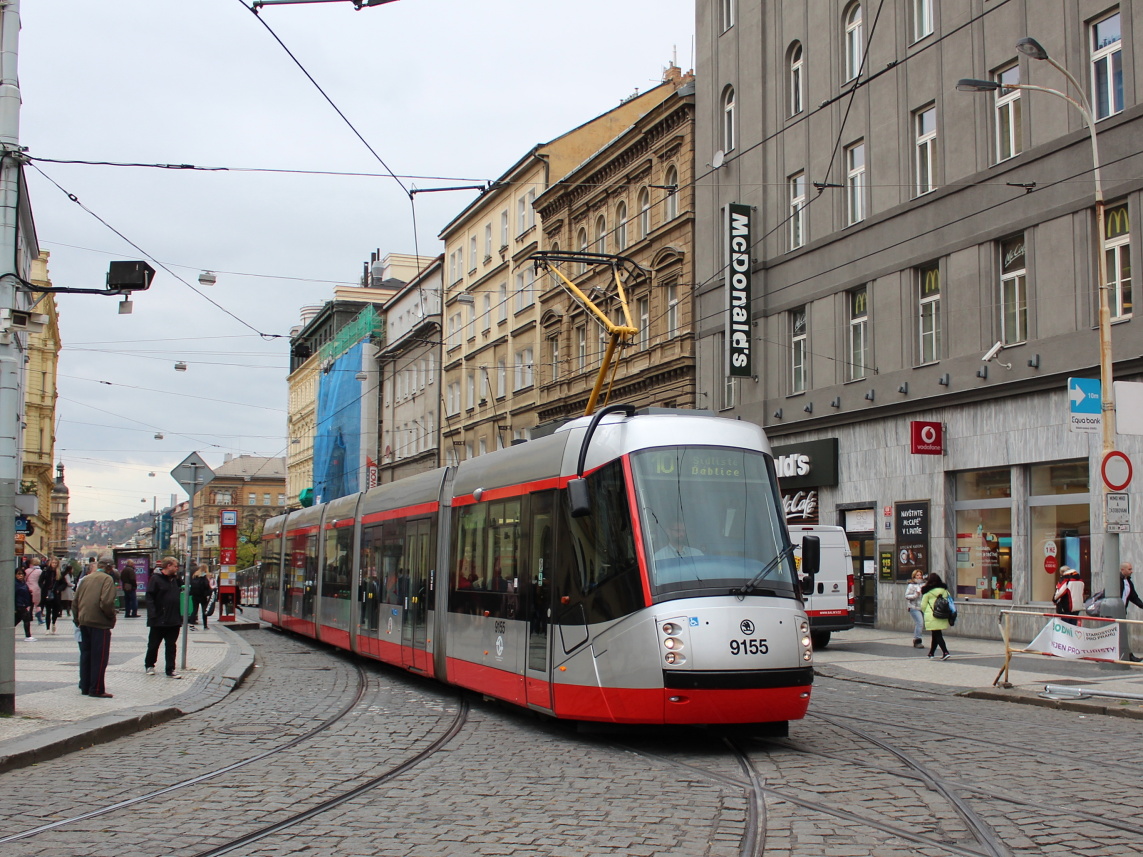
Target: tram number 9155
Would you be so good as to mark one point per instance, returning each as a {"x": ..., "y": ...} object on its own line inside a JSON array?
[{"x": 748, "y": 647}]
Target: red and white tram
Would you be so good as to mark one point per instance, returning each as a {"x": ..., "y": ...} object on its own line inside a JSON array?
[{"x": 626, "y": 568}]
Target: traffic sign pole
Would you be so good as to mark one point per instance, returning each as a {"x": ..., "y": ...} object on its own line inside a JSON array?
[{"x": 192, "y": 474}]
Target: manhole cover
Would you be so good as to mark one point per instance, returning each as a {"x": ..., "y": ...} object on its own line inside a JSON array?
[{"x": 248, "y": 729}]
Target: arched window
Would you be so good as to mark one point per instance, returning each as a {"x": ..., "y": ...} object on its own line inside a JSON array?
[
  {"x": 644, "y": 213},
  {"x": 854, "y": 42},
  {"x": 727, "y": 119},
  {"x": 621, "y": 226},
  {"x": 601, "y": 234},
  {"x": 796, "y": 78},
  {"x": 581, "y": 240},
  {"x": 672, "y": 207}
]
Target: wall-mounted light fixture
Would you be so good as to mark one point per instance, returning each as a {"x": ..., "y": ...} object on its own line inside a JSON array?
[
  {"x": 836, "y": 403},
  {"x": 1034, "y": 361},
  {"x": 904, "y": 388},
  {"x": 809, "y": 408},
  {"x": 982, "y": 372},
  {"x": 870, "y": 395},
  {"x": 944, "y": 380},
  {"x": 778, "y": 414}
]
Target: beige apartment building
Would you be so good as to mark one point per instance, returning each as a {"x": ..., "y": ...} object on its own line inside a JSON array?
[
  {"x": 39, "y": 417},
  {"x": 491, "y": 313},
  {"x": 632, "y": 198}
]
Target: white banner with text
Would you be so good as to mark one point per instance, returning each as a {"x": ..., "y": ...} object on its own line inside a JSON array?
[{"x": 1070, "y": 641}]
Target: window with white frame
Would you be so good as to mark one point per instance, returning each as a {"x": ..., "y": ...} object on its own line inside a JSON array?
[
  {"x": 1107, "y": 66},
  {"x": 487, "y": 241},
  {"x": 1013, "y": 292},
  {"x": 797, "y": 215},
  {"x": 581, "y": 240},
  {"x": 799, "y": 350},
  {"x": 601, "y": 234},
  {"x": 643, "y": 312},
  {"x": 858, "y": 311},
  {"x": 521, "y": 215},
  {"x": 1117, "y": 246},
  {"x": 796, "y": 68},
  {"x": 925, "y": 122},
  {"x": 523, "y": 368},
  {"x": 484, "y": 387},
  {"x": 468, "y": 453},
  {"x": 922, "y": 19},
  {"x": 472, "y": 254},
  {"x": 504, "y": 228},
  {"x": 486, "y": 313},
  {"x": 501, "y": 379},
  {"x": 672, "y": 207},
  {"x": 854, "y": 42},
  {"x": 727, "y": 139},
  {"x": 454, "y": 329},
  {"x": 470, "y": 389},
  {"x": 644, "y": 213},
  {"x": 855, "y": 182},
  {"x": 621, "y": 226},
  {"x": 1009, "y": 128},
  {"x": 452, "y": 399},
  {"x": 525, "y": 288},
  {"x": 431, "y": 369},
  {"x": 470, "y": 325},
  {"x": 581, "y": 347},
  {"x": 671, "y": 294},
  {"x": 554, "y": 355},
  {"x": 725, "y": 14},
  {"x": 482, "y": 446},
  {"x": 460, "y": 262},
  {"x": 251, "y": 499},
  {"x": 502, "y": 307}
]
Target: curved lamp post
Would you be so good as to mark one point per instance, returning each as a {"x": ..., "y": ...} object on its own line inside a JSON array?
[{"x": 1112, "y": 607}]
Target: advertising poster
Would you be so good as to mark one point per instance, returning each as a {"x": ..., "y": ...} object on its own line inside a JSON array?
[{"x": 912, "y": 538}]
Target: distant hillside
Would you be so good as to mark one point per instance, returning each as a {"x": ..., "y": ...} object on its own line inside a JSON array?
[{"x": 90, "y": 536}]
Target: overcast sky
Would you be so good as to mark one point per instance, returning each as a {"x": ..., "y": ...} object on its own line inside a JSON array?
[{"x": 444, "y": 91}]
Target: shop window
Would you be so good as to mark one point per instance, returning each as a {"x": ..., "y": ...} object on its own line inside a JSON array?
[
  {"x": 984, "y": 534},
  {"x": 1060, "y": 506}
]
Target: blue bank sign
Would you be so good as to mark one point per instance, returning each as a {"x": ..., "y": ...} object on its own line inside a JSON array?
[
  {"x": 739, "y": 361},
  {"x": 1085, "y": 404}
]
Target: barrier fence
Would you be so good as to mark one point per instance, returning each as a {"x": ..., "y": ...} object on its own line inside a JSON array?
[{"x": 1092, "y": 638}]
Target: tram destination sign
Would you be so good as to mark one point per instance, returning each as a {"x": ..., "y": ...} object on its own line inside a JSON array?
[{"x": 739, "y": 342}]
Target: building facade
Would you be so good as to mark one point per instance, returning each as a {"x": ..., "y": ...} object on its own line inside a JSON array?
[
  {"x": 408, "y": 375},
  {"x": 41, "y": 361},
  {"x": 634, "y": 198},
  {"x": 491, "y": 313},
  {"x": 887, "y": 232}
]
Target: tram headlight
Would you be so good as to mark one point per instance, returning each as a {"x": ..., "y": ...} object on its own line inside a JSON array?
[
  {"x": 672, "y": 643},
  {"x": 671, "y": 629},
  {"x": 804, "y": 628},
  {"x": 674, "y": 658}
]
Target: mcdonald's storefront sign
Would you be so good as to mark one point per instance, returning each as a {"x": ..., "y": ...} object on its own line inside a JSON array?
[{"x": 1117, "y": 223}]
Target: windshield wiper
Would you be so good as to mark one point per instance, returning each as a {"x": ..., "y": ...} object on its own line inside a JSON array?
[{"x": 743, "y": 591}]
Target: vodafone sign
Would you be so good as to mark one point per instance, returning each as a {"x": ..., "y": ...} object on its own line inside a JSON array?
[{"x": 926, "y": 438}]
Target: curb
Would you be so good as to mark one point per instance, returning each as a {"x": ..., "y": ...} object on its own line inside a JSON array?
[{"x": 60, "y": 740}]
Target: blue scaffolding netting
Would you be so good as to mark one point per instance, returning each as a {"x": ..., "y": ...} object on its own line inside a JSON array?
[{"x": 338, "y": 442}]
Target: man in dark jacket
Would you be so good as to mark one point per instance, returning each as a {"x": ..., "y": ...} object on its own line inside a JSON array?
[
  {"x": 94, "y": 614},
  {"x": 1129, "y": 595},
  {"x": 164, "y": 616},
  {"x": 130, "y": 584}
]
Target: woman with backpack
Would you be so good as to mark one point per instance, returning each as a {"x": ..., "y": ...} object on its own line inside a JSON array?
[
  {"x": 1068, "y": 597},
  {"x": 933, "y": 590}
]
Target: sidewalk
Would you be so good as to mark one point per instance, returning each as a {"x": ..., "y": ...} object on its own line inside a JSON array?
[
  {"x": 53, "y": 717},
  {"x": 888, "y": 658}
]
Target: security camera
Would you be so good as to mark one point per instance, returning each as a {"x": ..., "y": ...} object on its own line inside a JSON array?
[{"x": 991, "y": 353}]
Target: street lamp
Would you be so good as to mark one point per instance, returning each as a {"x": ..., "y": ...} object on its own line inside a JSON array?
[{"x": 1112, "y": 607}]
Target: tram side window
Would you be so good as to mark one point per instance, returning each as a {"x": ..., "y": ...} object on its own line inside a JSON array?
[
  {"x": 338, "y": 563},
  {"x": 606, "y": 566},
  {"x": 484, "y": 579},
  {"x": 268, "y": 572},
  {"x": 384, "y": 570}
]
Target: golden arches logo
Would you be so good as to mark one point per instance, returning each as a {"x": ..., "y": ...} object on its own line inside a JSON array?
[{"x": 1116, "y": 222}]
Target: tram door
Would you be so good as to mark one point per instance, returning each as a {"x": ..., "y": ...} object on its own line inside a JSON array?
[
  {"x": 863, "y": 549},
  {"x": 538, "y": 597},
  {"x": 414, "y": 628}
]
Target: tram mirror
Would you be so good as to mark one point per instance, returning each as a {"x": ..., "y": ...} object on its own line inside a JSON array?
[
  {"x": 811, "y": 555},
  {"x": 579, "y": 498}
]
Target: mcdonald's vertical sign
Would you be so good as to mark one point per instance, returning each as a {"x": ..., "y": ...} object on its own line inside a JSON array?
[{"x": 739, "y": 342}]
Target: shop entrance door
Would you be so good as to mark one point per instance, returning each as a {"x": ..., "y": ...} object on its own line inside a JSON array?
[{"x": 863, "y": 548}]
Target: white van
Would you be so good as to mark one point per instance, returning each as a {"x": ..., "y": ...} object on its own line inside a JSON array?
[{"x": 829, "y": 601}]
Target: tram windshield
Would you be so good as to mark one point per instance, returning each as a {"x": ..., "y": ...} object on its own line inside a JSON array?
[{"x": 711, "y": 521}]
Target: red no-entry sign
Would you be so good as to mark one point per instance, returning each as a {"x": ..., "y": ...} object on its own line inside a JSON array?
[{"x": 1116, "y": 470}]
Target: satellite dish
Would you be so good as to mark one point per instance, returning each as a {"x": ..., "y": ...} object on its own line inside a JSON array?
[{"x": 719, "y": 157}]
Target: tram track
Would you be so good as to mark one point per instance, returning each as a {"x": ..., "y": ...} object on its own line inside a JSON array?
[{"x": 362, "y": 683}]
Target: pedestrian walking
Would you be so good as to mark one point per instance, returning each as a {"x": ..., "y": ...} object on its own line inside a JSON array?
[
  {"x": 164, "y": 616},
  {"x": 24, "y": 604},
  {"x": 1068, "y": 596},
  {"x": 1129, "y": 593},
  {"x": 933, "y": 589},
  {"x": 130, "y": 583},
  {"x": 68, "y": 573},
  {"x": 913, "y": 603},
  {"x": 200, "y": 595},
  {"x": 94, "y": 615},
  {"x": 33, "y": 577},
  {"x": 50, "y": 594}
]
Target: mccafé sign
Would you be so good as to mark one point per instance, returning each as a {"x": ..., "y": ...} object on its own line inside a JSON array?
[{"x": 802, "y": 468}]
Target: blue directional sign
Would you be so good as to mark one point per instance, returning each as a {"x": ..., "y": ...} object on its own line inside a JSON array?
[{"x": 1085, "y": 402}]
